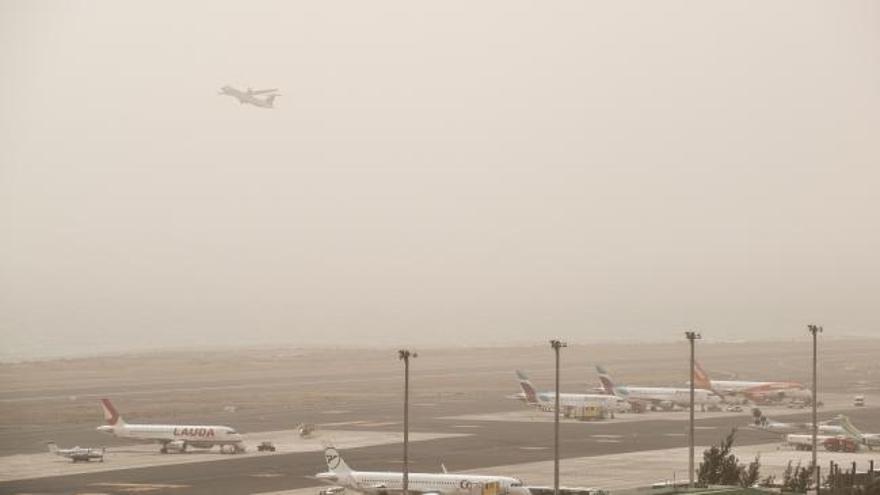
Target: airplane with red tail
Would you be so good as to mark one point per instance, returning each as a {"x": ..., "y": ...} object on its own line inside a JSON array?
[
  {"x": 173, "y": 438},
  {"x": 753, "y": 390}
]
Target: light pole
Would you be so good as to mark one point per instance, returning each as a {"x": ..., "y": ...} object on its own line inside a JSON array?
[
  {"x": 556, "y": 345},
  {"x": 815, "y": 330},
  {"x": 404, "y": 355},
  {"x": 691, "y": 336}
]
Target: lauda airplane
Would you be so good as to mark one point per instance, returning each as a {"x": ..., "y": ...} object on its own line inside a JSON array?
[
  {"x": 172, "y": 437},
  {"x": 382, "y": 483}
]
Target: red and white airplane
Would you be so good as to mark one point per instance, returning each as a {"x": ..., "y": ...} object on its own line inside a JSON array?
[
  {"x": 172, "y": 437},
  {"x": 752, "y": 390}
]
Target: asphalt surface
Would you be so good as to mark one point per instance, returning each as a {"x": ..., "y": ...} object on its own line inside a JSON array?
[{"x": 492, "y": 443}]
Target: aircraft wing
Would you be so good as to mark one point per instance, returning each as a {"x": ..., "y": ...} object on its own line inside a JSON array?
[{"x": 263, "y": 91}]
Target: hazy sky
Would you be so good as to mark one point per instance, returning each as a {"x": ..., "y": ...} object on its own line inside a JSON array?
[{"x": 446, "y": 171}]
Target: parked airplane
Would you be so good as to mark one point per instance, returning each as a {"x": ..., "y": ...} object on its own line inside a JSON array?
[
  {"x": 250, "y": 96},
  {"x": 752, "y": 390},
  {"x": 78, "y": 453},
  {"x": 781, "y": 428},
  {"x": 837, "y": 434},
  {"x": 834, "y": 443},
  {"x": 664, "y": 397},
  {"x": 382, "y": 483},
  {"x": 172, "y": 437},
  {"x": 546, "y": 400}
]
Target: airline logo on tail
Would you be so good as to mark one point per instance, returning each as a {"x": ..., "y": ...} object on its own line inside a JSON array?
[
  {"x": 335, "y": 464},
  {"x": 332, "y": 457},
  {"x": 527, "y": 388},
  {"x": 701, "y": 378},
  {"x": 110, "y": 414},
  {"x": 607, "y": 384}
]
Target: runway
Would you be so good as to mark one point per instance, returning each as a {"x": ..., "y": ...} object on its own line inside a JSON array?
[
  {"x": 460, "y": 414},
  {"x": 490, "y": 443}
]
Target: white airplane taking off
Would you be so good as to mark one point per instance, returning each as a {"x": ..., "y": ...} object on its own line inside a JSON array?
[
  {"x": 546, "y": 400},
  {"x": 172, "y": 437},
  {"x": 251, "y": 96},
  {"x": 665, "y": 397},
  {"x": 382, "y": 483},
  {"x": 752, "y": 390}
]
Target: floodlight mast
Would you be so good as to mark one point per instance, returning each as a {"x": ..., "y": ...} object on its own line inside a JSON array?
[
  {"x": 556, "y": 345},
  {"x": 691, "y": 336},
  {"x": 404, "y": 355},
  {"x": 815, "y": 330}
]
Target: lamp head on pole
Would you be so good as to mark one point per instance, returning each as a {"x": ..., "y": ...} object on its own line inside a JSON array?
[
  {"x": 693, "y": 335},
  {"x": 814, "y": 329},
  {"x": 557, "y": 344},
  {"x": 405, "y": 354}
]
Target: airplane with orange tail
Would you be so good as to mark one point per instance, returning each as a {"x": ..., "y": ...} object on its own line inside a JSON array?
[{"x": 756, "y": 391}]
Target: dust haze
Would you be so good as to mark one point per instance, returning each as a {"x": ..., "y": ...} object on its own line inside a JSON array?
[{"x": 435, "y": 172}]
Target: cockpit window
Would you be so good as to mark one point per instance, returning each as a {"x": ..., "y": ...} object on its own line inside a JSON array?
[{"x": 232, "y": 432}]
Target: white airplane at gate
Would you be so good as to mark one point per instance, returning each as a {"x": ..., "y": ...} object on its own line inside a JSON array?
[
  {"x": 547, "y": 400},
  {"x": 382, "y": 483},
  {"x": 782, "y": 428},
  {"x": 665, "y": 397},
  {"x": 172, "y": 437}
]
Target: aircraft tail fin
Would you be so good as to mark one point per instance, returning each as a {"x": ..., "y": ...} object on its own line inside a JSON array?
[
  {"x": 53, "y": 447},
  {"x": 528, "y": 389},
  {"x": 111, "y": 415},
  {"x": 607, "y": 383},
  {"x": 335, "y": 464},
  {"x": 701, "y": 378}
]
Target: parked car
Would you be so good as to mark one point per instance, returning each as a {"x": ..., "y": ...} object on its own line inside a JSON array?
[{"x": 266, "y": 447}]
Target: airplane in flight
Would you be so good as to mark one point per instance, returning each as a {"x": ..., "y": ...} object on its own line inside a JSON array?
[
  {"x": 173, "y": 438},
  {"x": 77, "y": 454},
  {"x": 252, "y": 97},
  {"x": 382, "y": 483},
  {"x": 753, "y": 390},
  {"x": 546, "y": 400},
  {"x": 663, "y": 397}
]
